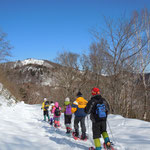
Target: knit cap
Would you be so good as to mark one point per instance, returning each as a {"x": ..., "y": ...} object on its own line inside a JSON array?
[
  {"x": 67, "y": 99},
  {"x": 45, "y": 99},
  {"x": 95, "y": 91},
  {"x": 79, "y": 94}
]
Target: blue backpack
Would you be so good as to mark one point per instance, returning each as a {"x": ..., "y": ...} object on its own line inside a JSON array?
[{"x": 101, "y": 110}]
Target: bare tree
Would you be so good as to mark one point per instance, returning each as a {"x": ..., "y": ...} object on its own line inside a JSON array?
[
  {"x": 4, "y": 47},
  {"x": 121, "y": 52},
  {"x": 144, "y": 56},
  {"x": 71, "y": 73},
  {"x": 98, "y": 57},
  {"x": 5, "y": 52}
]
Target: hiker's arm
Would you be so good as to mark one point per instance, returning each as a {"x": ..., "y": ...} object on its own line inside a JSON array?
[{"x": 89, "y": 107}]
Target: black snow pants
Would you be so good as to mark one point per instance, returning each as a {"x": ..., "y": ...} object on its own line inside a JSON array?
[
  {"x": 98, "y": 128},
  {"x": 82, "y": 124},
  {"x": 67, "y": 119}
]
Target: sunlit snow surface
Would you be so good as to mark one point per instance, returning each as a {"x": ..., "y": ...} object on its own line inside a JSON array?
[{"x": 22, "y": 128}]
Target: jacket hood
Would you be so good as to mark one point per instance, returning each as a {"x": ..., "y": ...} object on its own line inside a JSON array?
[
  {"x": 79, "y": 94},
  {"x": 81, "y": 102},
  {"x": 98, "y": 98}
]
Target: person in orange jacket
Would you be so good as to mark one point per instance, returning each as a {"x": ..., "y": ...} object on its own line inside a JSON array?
[{"x": 78, "y": 109}]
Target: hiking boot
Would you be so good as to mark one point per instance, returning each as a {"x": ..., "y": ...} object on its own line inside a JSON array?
[
  {"x": 51, "y": 123},
  {"x": 69, "y": 128},
  {"x": 83, "y": 136},
  {"x": 55, "y": 125},
  {"x": 76, "y": 134},
  {"x": 68, "y": 131}
]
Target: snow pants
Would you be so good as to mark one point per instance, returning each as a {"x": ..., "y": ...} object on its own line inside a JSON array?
[
  {"x": 82, "y": 124},
  {"x": 98, "y": 128},
  {"x": 68, "y": 119},
  {"x": 57, "y": 121},
  {"x": 46, "y": 113}
]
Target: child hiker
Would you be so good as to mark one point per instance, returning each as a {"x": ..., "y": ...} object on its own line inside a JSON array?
[
  {"x": 67, "y": 115},
  {"x": 45, "y": 107},
  {"x": 57, "y": 112},
  {"x": 51, "y": 114},
  {"x": 98, "y": 109},
  {"x": 78, "y": 109}
]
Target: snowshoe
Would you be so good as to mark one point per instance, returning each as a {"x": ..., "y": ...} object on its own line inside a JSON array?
[
  {"x": 74, "y": 134},
  {"x": 108, "y": 146}
]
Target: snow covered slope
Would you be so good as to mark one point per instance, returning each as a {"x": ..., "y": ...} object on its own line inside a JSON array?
[{"x": 22, "y": 128}]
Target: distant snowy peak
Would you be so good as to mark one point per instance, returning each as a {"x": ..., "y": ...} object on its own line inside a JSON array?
[{"x": 32, "y": 61}]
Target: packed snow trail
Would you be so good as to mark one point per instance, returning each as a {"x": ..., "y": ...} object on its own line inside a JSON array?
[{"x": 22, "y": 128}]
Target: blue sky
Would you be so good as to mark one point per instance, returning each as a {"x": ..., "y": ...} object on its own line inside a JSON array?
[{"x": 41, "y": 28}]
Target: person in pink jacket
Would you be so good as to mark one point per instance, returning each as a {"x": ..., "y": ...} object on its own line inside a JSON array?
[{"x": 57, "y": 113}]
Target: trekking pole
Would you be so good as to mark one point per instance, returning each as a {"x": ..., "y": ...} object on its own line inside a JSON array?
[
  {"x": 88, "y": 125},
  {"x": 114, "y": 140}
]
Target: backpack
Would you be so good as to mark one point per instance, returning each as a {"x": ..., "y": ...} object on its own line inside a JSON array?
[
  {"x": 68, "y": 110},
  {"x": 57, "y": 111},
  {"x": 101, "y": 110},
  {"x": 46, "y": 105}
]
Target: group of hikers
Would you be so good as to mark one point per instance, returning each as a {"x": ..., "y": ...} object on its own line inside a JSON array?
[{"x": 97, "y": 107}]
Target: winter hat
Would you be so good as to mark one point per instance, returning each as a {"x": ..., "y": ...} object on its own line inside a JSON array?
[
  {"x": 79, "y": 94},
  {"x": 56, "y": 104},
  {"x": 45, "y": 99},
  {"x": 67, "y": 99},
  {"x": 95, "y": 91},
  {"x": 52, "y": 102}
]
